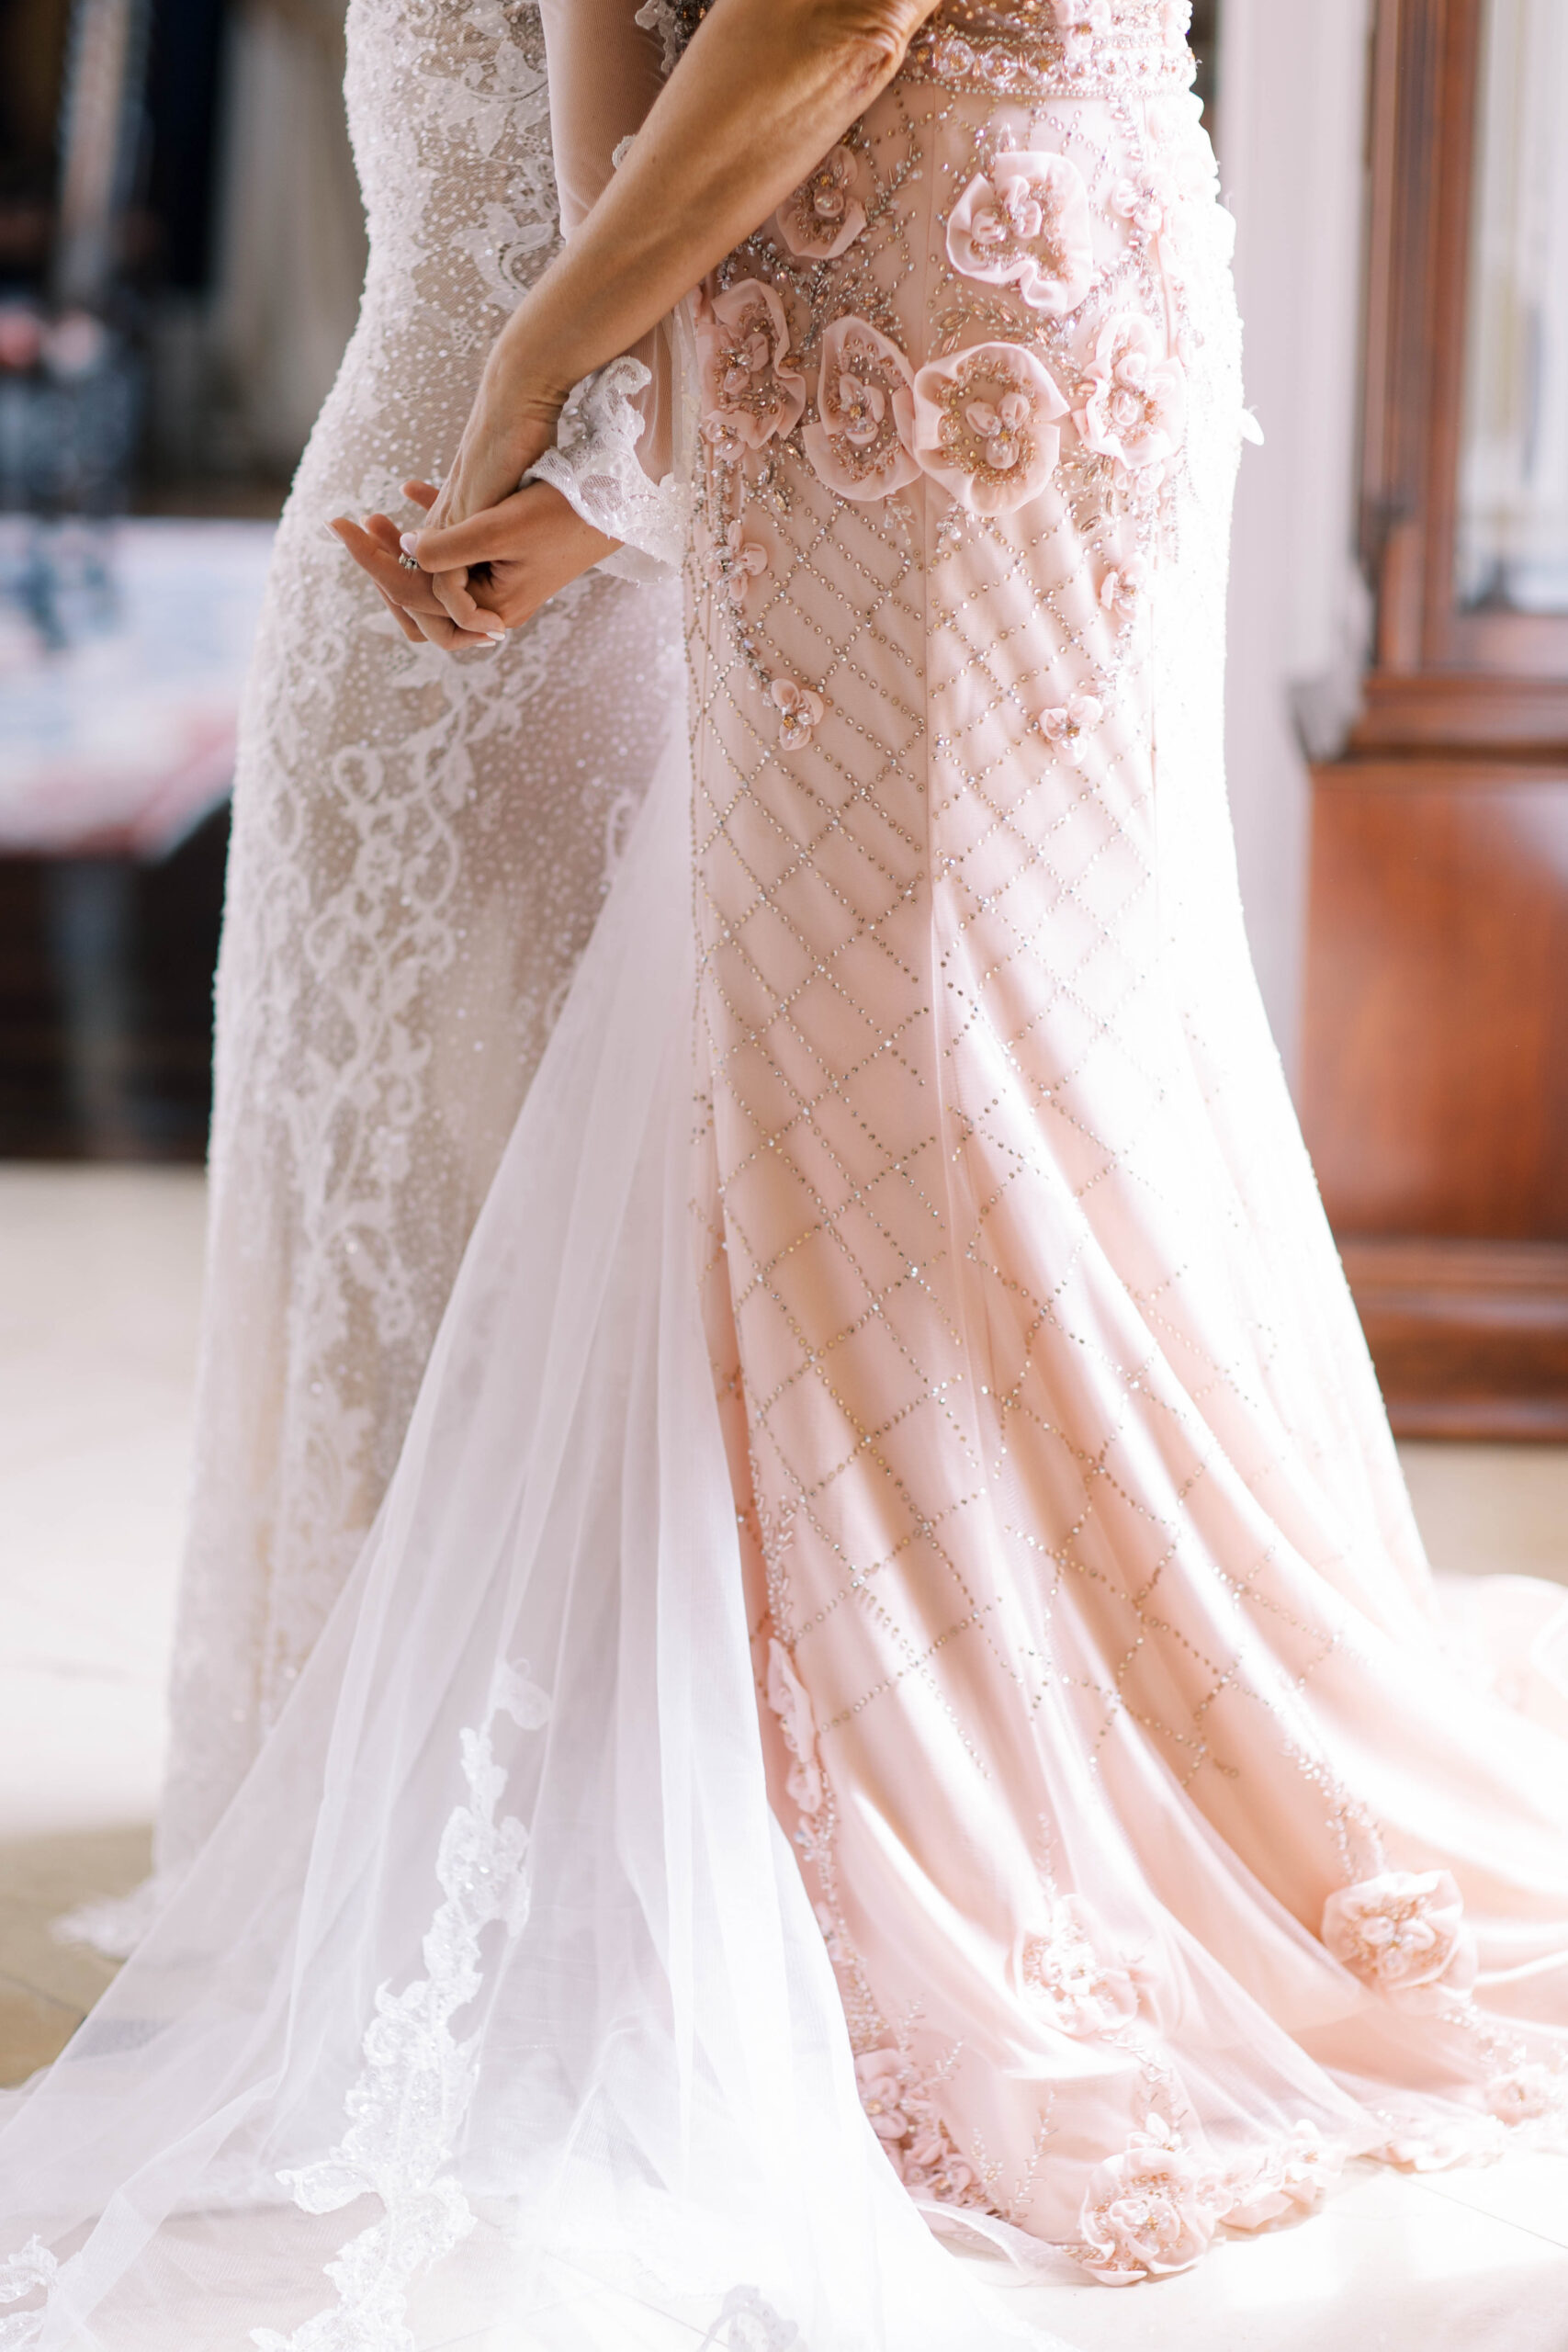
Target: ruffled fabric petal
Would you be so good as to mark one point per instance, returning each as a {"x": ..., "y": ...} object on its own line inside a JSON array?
[
  {"x": 1027, "y": 222},
  {"x": 985, "y": 426},
  {"x": 861, "y": 442}
]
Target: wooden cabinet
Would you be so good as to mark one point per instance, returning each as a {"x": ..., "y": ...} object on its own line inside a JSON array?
[{"x": 1435, "y": 1077}]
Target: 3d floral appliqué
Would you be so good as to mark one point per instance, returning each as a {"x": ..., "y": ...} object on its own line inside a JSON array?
[
  {"x": 787, "y": 1695},
  {"x": 824, "y": 215},
  {"x": 985, "y": 426},
  {"x": 861, "y": 441},
  {"x": 749, "y": 393},
  {"x": 1131, "y": 401},
  {"x": 1027, "y": 222},
  {"x": 1404, "y": 1934},
  {"x": 1147, "y": 2212}
]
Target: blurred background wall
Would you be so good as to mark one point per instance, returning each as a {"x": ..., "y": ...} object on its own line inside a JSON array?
[
  {"x": 1293, "y": 172},
  {"x": 181, "y": 250}
]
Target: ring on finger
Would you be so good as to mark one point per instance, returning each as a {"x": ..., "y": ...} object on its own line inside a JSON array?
[{"x": 408, "y": 563}]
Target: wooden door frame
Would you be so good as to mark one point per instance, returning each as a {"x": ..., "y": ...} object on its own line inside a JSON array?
[{"x": 1496, "y": 678}]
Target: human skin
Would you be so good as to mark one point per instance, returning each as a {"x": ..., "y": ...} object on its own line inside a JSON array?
[{"x": 764, "y": 90}]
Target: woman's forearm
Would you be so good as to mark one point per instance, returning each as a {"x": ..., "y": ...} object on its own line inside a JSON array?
[{"x": 763, "y": 93}]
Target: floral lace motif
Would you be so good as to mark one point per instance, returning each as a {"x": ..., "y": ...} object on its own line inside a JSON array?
[
  {"x": 594, "y": 466},
  {"x": 748, "y": 2324},
  {"x": 410, "y": 2098},
  {"x": 419, "y": 850},
  {"x": 24, "y": 2274},
  {"x": 1087, "y": 51}
]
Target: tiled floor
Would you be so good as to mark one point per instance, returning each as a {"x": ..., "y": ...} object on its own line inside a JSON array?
[{"x": 100, "y": 1287}]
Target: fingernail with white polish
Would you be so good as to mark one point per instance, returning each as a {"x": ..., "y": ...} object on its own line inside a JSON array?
[
  {"x": 328, "y": 532},
  {"x": 410, "y": 542}
]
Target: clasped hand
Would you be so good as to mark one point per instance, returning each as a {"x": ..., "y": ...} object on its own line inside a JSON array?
[{"x": 479, "y": 577}]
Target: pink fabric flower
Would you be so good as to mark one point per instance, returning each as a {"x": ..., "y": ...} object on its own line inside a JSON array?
[
  {"x": 1145, "y": 2213},
  {"x": 800, "y": 712},
  {"x": 787, "y": 1695},
  {"x": 825, "y": 215},
  {"x": 862, "y": 443},
  {"x": 985, "y": 426},
  {"x": 749, "y": 393},
  {"x": 1526, "y": 2094},
  {"x": 1295, "y": 2179},
  {"x": 933, "y": 2167},
  {"x": 1027, "y": 222},
  {"x": 1080, "y": 22},
  {"x": 880, "y": 2077},
  {"x": 918, "y": 2143},
  {"x": 735, "y": 564},
  {"x": 1132, "y": 398},
  {"x": 1070, "y": 724},
  {"x": 1121, "y": 592},
  {"x": 1063, "y": 1969},
  {"x": 1141, "y": 206},
  {"x": 1404, "y": 1934}
]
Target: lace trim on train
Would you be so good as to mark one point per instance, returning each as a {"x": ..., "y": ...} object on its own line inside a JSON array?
[
  {"x": 33, "y": 2267},
  {"x": 414, "y": 2089}
]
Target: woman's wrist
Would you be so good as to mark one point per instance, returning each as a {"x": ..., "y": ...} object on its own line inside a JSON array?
[{"x": 519, "y": 380}]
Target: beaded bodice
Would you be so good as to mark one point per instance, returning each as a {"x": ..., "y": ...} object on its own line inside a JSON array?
[
  {"x": 1055, "y": 48},
  {"x": 1038, "y": 47}
]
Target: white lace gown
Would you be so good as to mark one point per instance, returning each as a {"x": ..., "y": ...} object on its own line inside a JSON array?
[
  {"x": 421, "y": 848},
  {"x": 1137, "y": 1848}
]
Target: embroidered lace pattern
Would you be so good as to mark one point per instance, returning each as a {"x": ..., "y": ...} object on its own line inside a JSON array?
[
  {"x": 421, "y": 847},
  {"x": 595, "y": 467},
  {"x": 408, "y": 2105},
  {"x": 26, "y": 2273}
]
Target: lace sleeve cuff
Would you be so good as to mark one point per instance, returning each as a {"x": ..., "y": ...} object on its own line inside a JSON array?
[{"x": 594, "y": 466}]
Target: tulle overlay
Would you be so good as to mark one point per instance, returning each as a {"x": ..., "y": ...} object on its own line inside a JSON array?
[
  {"x": 894, "y": 1676},
  {"x": 513, "y": 1822}
]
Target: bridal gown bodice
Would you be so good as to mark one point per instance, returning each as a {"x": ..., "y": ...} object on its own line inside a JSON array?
[{"x": 419, "y": 850}]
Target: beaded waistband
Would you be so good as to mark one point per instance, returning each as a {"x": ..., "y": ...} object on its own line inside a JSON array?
[
  {"x": 1148, "y": 57},
  {"x": 1047, "y": 48}
]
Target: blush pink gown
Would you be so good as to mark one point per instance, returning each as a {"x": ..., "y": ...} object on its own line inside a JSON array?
[
  {"x": 1165, "y": 1850},
  {"x": 912, "y": 1690}
]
